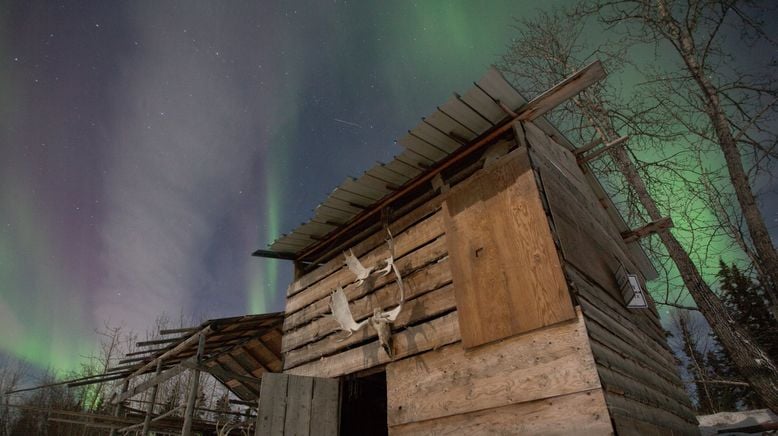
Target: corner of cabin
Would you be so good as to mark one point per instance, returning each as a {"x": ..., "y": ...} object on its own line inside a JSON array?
[{"x": 512, "y": 320}]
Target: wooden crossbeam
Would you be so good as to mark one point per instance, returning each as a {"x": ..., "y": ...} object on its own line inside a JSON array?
[
  {"x": 581, "y": 158},
  {"x": 183, "y": 345},
  {"x": 648, "y": 229},
  {"x": 581, "y": 150},
  {"x": 223, "y": 373},
  {"x": 153, "y": 381}
]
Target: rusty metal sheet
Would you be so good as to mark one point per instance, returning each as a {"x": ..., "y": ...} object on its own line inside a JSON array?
[
  {"x": 484, "y": 105},
  {"x": 430, "y": 152},
  {"x": 430, "y": 134},
  {"x": 444, "y": 123},
  {"x": 387, "y": 175},
  {"x": 351, "y": 198},
  {"x": 355, "y": 187},
  {"x": 465, "y": 115},
  {"x": 494, "y": 84}
]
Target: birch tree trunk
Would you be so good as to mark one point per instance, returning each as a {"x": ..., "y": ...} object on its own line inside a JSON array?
[
  {"x": 752, "y": 362},
  {"x": 683, "y": 42}
]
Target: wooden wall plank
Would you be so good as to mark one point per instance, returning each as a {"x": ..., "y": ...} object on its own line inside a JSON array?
[
  {"x": 617, "y": 361},
  {"x": 580, "y": 413},
  {"x": 558, "y": 156},
  {"x": 549, "y": 362},
  {"x": 272, "y": 405},
  {"x": 405, "y": 242},
  {"x": 506, "y": 271},
  {"x": 639, "y": 411},
  {"x": 408, "y": 266},
  {"x": 325, "y": 407},
  {"x": 299, "y": 394},
  {"x": 415, "y": 310},
  {"x": 413, "y": 340},
  {"x": 639, "y": 391},
  {"x": 371, "y": 242},
  {"x": 646, "y": 320}
]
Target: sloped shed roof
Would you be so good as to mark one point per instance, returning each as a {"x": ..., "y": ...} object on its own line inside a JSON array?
[{"x": 462, "y": 120}]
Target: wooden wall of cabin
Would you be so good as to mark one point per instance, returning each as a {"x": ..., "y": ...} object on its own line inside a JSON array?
[
  {"x": 541, "y": 381},
  {"x": 643, "y": 391}
]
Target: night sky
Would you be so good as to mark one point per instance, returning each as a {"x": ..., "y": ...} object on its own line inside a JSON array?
[{"x": 147, "y": 148}]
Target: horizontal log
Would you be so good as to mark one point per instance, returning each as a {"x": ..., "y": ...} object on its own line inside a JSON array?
[
  {"x": 405, "y": 242},
  {"x": 412, "y": 270},
  {"x": 640, "y": 391},
  {"x": 416, "y": 282},
  {"x": 413, "y": 340},
  {"x": 377, "y": 239},
  {"x": 545, "y": 363},
  {"x": 621, "y": 405},
  {"x": 580, "y": 413},
  {"x": 624, "y": 364},
  {"x": 413, "y": 311}
]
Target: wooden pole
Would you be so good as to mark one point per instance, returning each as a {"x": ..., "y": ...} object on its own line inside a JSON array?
[
  {"x": 120, "y": 407},
  {"x": 150, "y": 406},
  {"x": 194, "y": 385}
]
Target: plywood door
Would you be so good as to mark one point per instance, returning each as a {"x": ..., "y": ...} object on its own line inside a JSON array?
[
  {"x": 296, "y": 405},
  {"x": 506, "y": 271}
]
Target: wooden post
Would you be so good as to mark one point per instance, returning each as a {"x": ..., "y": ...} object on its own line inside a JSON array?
[
  {"x": 150, "y": 407},
  {"x": 595, "y": 154},
  {"x": 194, "y": 385},
  {"x": 120, "y": 406},
  {"x": 648, "y": 229}
]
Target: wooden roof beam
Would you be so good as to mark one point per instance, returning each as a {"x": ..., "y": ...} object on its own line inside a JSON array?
[{"x": 537, "y": 107}]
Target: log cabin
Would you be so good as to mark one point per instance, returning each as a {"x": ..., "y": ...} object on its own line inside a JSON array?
[{"x": 520, "y": 289}]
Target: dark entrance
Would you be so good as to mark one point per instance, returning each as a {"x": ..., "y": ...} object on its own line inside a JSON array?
[{"x": 363, "y": 405}]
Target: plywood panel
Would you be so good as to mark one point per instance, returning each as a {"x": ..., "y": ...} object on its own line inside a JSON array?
[
  {"x": 546, "y": 363},
  {"x": 581, "y": 413},
  {"x": 506, "y": 270}
]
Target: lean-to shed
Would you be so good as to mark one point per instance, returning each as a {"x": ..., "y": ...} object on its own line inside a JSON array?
[{"x": 518, "y": 280}]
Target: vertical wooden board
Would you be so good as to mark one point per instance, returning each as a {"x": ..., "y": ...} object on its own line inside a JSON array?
[
  {"x": 507, "y": 275},
  {"x": 580, "y": 413},
  {"x": 272, "y": 405},
  {"x": 325, "y": 407},
  {"x": 298, "y": 407}
]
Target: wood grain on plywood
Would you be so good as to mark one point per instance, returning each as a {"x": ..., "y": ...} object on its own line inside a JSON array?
[{"x": 506, "y": 270}]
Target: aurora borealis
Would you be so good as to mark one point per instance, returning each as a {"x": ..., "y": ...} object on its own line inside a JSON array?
[{"x": 147, "y": 148}]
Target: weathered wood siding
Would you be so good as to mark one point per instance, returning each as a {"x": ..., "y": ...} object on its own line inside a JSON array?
[
  {"x": 542, "y": 382},
  {"x": 506, "y": 271},
  {"x": 299, "y": 406},
  {"x": 312, "y": 346},
  {"x": 636, "y": 367}
]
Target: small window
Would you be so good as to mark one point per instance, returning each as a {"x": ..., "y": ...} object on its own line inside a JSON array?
[{"x": 631, "y": 289}]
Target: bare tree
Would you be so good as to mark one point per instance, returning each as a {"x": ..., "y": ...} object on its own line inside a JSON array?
[
  {"x": 545, "y": 52},
  {"x": 740, "y": 107}
]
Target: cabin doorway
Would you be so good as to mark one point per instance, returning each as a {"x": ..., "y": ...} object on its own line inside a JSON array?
[{"x": 363, "y": 405}]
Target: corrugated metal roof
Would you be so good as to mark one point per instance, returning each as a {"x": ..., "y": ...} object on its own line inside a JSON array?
[{"x": 460, "y": 119}]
